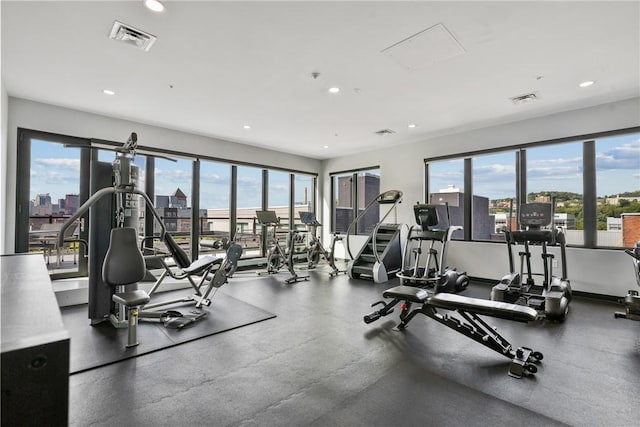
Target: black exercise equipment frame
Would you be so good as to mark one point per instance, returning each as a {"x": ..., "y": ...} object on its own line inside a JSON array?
[
  {"x": 315, "y": 248},
  {"x": 276, "y": 257},
  {"x": 523, "y": 359}
]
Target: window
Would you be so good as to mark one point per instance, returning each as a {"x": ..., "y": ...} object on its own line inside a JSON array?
[
  {"x": 249, "y": 200},
  {"x": 215, "y": 191},
  {"x": 494, "y": 194},
  {"x": 343, "y": 201},
  {"x": 173, "y": 198},
  {"x": 618, "y": 190},
  {"x": 279, "y": 192},
  {"x": 446, "y": 186},
  {"x": 367, "y": 189},
  {"x": 303, "y": 197},
  {"x": 54, "y": 196},
  {"x": 360, "y": 187},
  {"x": 555, "y": 171}
]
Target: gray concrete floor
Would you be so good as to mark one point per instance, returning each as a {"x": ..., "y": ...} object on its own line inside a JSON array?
[{"x": 317, "y": 363}]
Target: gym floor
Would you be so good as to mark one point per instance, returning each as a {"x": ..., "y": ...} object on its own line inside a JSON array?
[{"x": 317, "y": 363}]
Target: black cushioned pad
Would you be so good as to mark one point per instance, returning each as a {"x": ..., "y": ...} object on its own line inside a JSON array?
[
  {"x": 202, "y": 264},
  {"x": 102, "y": 344},
  {"x": 447, "y": 301},
  {"x": 408, "y": 293},
  {"x": 499, "y": 309}
]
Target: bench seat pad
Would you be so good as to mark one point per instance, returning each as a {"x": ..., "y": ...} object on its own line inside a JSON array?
[
  {"x": 202, "y": 264},
  {"x": 485, "y": 307}
]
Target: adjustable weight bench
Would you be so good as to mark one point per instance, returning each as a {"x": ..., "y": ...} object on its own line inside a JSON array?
[
  {"x": 185, "y": 270},
  {"x": 523, "y": 359}
]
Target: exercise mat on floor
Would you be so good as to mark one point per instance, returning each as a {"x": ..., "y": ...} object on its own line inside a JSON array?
[{"x": 102, "y": 344}]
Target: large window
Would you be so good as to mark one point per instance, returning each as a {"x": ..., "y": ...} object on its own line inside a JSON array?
[
  {"x": 494, "y": 193},
  {"x": 54, "y": 196},
  {"x": 342, "y": 209},
  {"x": 555, "y": 172},
  {"x": 618, "y": 190},
  {"x": 594, "y": 181},
  {"x": 367, "y": 189},
  {"x": 279, "y": 192},
  {"x": 249, "y": 200},
  {"x": 173, "y": 198},
  {"x": 352, "y": 192},
  {"x": 214, "y": 215},
  {"x": 446, "y": 187}
]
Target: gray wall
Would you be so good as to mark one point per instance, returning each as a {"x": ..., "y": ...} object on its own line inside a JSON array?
[
  {"x": 598, "y": 271},
  {"x": 49, "y": 118}
]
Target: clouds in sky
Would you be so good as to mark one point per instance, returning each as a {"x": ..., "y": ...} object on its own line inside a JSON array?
[{"x": 625, "y": 156}]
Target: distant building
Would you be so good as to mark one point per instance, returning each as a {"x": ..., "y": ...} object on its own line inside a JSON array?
[
  {"x": 565, "y": 220},
  {"x": 630, "y": 229},
  {"x": 614, "y": 224},
  {"x": 616, "y": 200},
  {"x": 71, "y": 204},
  {"x": 179, "y": 199},
  {"x": 484, "y": 224},
  {"x": 42, "y": 200}
]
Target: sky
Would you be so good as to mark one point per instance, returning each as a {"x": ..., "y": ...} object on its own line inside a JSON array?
[{"x": 55, "y": 170}]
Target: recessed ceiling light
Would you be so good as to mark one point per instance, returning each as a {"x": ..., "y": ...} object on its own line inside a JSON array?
[
  {"x": 325, "y": 146},
  {"x": 108, "y": 92},
  {"x": 246, "y": 127},
  {"x": 411, "y": 126},
  {"x": 587, "y": 83},
  {"x": 154, "y": 5},
  {"x": 334, "y": 89}
]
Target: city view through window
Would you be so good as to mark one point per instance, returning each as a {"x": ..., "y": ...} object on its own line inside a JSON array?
[
  {"x": 54, "y": 197},
  {"x": 553, "y": 171}
]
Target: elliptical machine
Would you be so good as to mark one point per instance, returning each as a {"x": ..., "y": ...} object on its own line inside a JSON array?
[
  {"x": 433, "y": 273},
  {"x": 553, "y": 296},
  {"x": 276, "y": 256},
  {"x": 632, "y": 300},
  {"x": 315, "y": 249}
]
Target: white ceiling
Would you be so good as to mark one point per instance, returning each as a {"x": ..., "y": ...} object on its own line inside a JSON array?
[{"x": 237, "y": 63}]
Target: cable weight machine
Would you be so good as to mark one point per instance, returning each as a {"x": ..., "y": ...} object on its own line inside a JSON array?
[{"x": 119, "y": 180}]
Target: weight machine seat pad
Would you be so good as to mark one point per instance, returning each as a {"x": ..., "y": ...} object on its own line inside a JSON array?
[
  {"x": 202, "y": 264},
  {"x": 131, "y": 298},
  {"x": 498, "y": 309},
  {"x": 407, "y": 293}
]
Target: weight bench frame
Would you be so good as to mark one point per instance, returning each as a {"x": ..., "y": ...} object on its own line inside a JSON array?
[{"x": 469, "y": 324}]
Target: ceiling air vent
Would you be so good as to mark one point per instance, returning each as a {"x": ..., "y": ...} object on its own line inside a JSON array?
[
  {"x": 385, "y": 132},
  {"x": 132, "y": 36},
  {"x": 524, "y": 99}
]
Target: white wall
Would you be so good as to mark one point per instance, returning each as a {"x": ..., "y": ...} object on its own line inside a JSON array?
[
  {"x": 4, "y": 114},
  {"x": 49, "y": 118},
  {"x": 402, "y": 168}
]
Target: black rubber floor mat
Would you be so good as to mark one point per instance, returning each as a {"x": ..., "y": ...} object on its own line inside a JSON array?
[{"x": 102, "y": 344}]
